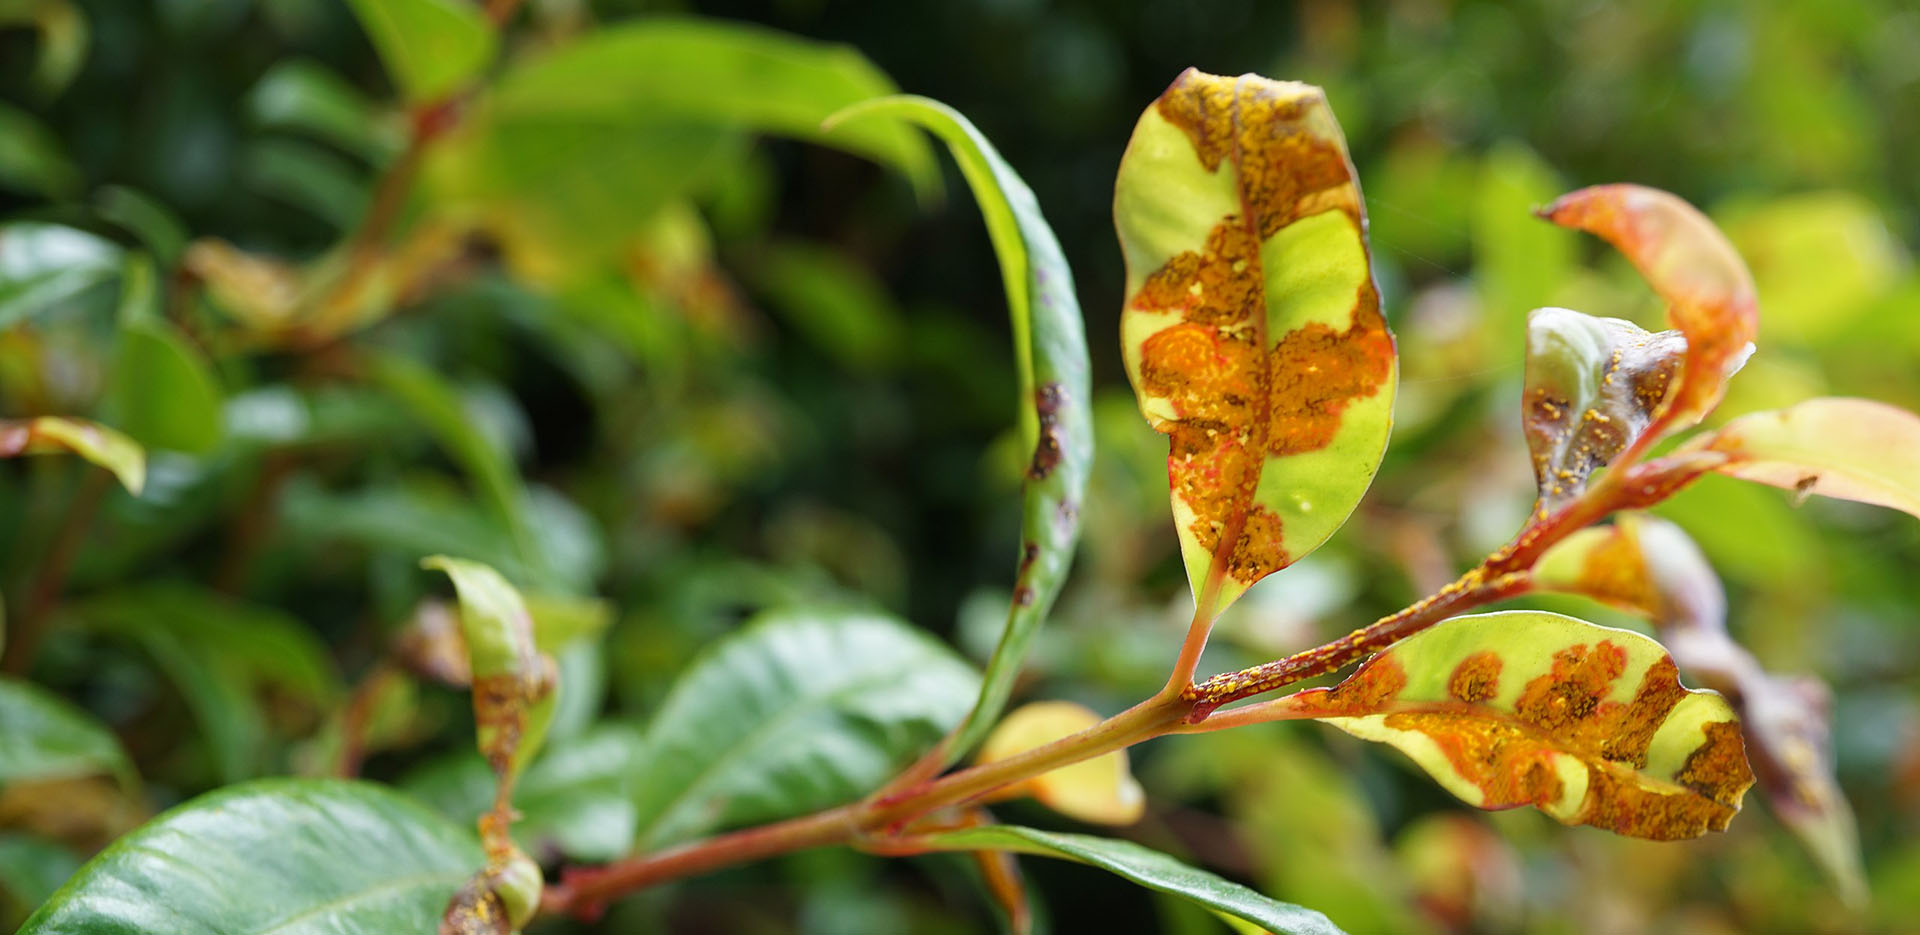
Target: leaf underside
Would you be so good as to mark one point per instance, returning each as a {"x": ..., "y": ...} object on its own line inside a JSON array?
[
  {"x": 1252, "y": 329},
  {"x": 1593, "y": 386}
]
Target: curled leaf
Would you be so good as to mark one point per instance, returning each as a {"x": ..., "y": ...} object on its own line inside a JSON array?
[
  {"x": 1101, "y": 790},
  {"x": 1593, "y": 386},
  {"x": 1252, "y": 329},
  {"x": 97, "y": 443},
  {"x": 513, "y": 683},
  {"x": 1684, "y": 257},
  {"x": 1853, "y": 449},
  {"x": 1587, "y": 723}
]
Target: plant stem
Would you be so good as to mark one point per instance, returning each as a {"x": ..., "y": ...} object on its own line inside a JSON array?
[{"x": 31, "y": 625}]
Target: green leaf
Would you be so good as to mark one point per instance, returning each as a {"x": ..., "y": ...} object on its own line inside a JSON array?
[
  {"x": 306, "y": 177},
  {"x": 31, "y": 159},
  {"x": 1593, "y": 386},
  {"x": 1853, "y": 449},
  {"x": 42, "y": 736},
  {"x": 31, "y": 869},
  {"x": 306, "y": 96},
  {"x": 1252, "y": 329},
  {"x": 1517, "y": 265},
  {"x": 220, "y": 655},
  {"x": 834, "y": 302},
  {"x": 271, "y": 856},
  {"x": 1050, "y": 349},
  {"x": 514, "y": 690},
  {"x": 45, "y": 265},
  {"x": 799, "y": 710},
  {"x": 1149, "y": 868},
  {"x": 161, "y": 390},
  {"x": 90, "y": 440},
  {"x": 157, "y": 227},
  {"x": 1587, "y": 723},
  {"x": 574, "y": 799},
  {"x": 430, "y": 47},
  {"x": 63, "y": 39}
]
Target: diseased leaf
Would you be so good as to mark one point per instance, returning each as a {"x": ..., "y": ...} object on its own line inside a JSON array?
[
  {"x": 90, "y": 440},
  {"x": 1647, "y": 565},
  {"x": 1252, "y": 329},
  {"x": 799, "y": 710},
  {"x": 430, "y": 47},
  {"x": 1709, "y": 293},
  {"x": 1101, "y": 790},
  {"x": 1588, "y": 723},
  {"x": 514, "y": 686},
  {"x": 271, "y": 856},
  {"x": 43, "y": 737},
  {"x": 1593, "y": 386},
  {"x": 1149, "y": 868},
  {"x": 1056, "y": 414},
  {"x": 1853, "y": 449},
  {"x": 43, "y": 266}
]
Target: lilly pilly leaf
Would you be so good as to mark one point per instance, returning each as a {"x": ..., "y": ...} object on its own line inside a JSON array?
[
  {"x": 513, "y": 684},
  {"x": 1649, "y": 566},
  {"x": 1853, "y": 449},
  {"x": 103, "y": 446},
  {"x": 1709, "y": 293},
  {"x": 1593, "y": 386},
  {"x": 1588, "y": 723},
  {"x": 1252, "y": 329},
  {"x": 1056, "y": 414}
]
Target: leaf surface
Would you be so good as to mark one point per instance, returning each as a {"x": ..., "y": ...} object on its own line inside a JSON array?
[
  {"x": 799, "y": 710},
  {"x": 1593, "y": 386},
  {"x": 97, "y": 443},
  {"x": 1853, "y": 449},
  {"x": 1149, "y": 868},
  {"x": 1050, "y": 350},
  {"x": 280, "y": 856},
  {"x": 514, "y": 690},
  {"x": 1252, "y": 329},
  {"x": 45, "y": 265},
  {"x": 430, "y": 47},
  {"x": 1587, "y": 723},
  {"x": 161, "y": 390},
  {"x": 42, "y": 736}
]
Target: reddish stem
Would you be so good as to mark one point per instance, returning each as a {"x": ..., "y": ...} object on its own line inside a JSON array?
[{"x": 31, "y": 625}]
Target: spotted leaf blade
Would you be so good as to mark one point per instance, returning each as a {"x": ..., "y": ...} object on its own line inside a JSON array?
[
  {"x": 1593, "y": 386},
  {"x": 1853, "y": 449},
  {"x": 1252, "y": 329},
  {"x": 1587, "y": 723},
  {"x": 1690, "y": 263}
]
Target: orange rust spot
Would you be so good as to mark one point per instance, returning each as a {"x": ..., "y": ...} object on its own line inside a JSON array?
[
  {"x": 1616, "y": 572},
  {"x": 1368, "y": 690},
  {"x": 1476, "y": 678},
  {"x": 1718, "y": 769},
  {"x": 1618, "y": 803},
  {"x": 1315, "y": 371},
  {"x": 1511, "y": 765}
]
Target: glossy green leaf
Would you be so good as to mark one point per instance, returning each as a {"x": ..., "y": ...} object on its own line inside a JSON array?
[
  {"x": 31, "y": 869},
  {"x": 1149, "y": 868},
  {"x": 1588, "y": 723},
  {"x": 31, "y": 157},
  {"x": 799, "y": 710},
  {"x": 221, "y": 655},
  {"x": 306, "y": 96},
  {"x": 1853, "y": 449},
  {"x": 574, "y": 799},
  {"x": 97, "y": 443},
  {"x": 161, "y": 390},
  {"x": 1252, "y": 329},
  {"x": 430, "y": 47},
  {"x": 1055, "y": 411},
  {"x": 42, "y": 736},
  {"x": 271, "y": 856},
  {"x": 43, "y": 266},
  {"x": 1593, "y": 386}
]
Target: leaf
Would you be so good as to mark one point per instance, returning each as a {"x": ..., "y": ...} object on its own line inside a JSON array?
[
  {"x": 1516, "y": 264},
  {"x": 514, "y": 686},
  {"x": 158, "y": 228},
  {"x": 1709, "y": 293},
  {"x": 161, "y": 390},
  {"x": 31, "y": 158},
  {"x": 304, "y": 95},
  {"x": 1151, "y": 869},
  {"x": 63, "y": 40},
  {"x": 1593, "y": 386},
  {"x": 834, "y": 302},
  {"x": 801, "y": 709},
  {"x": 1252, "y": 329},
  {"x": 220, "y": 655},
  {"x": 1101, "y": 790},
  {"x": 1050, "y": 351},
  {"x": 31, "y": 869},
  {"x": 1587, "y": 723},
  {"x": 1853, "y": 449},
  {"x": 43, "y": 737},
  {"x": 1649, "y": 566},
  {"x": 308, "y": 177},
  {"x": 90, "y": 440},
  {"x": 43, "y": 266},
  {"x": 271, "y": 856},
  {"x": 430, "y": 47}
]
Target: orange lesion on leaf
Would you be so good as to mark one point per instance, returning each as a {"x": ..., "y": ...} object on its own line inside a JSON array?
[
  {"x": 1237, "y": 396},
  {"x": 1615, "y": 572},
  {"x": 1476, "y": 678}
]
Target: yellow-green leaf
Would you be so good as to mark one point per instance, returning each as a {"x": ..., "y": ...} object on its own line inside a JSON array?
[
  {"x": 1100, "y": 790},
  {"x": 1252, "y": 329},
  {"x": 97, "y": 443},
  {"x": 1593, "y": 386},
  {"x": 430, "y": 47},
  {"x": 513, "y": 684},
  {"x": 1853, "y": 449},
  {"x": 1587, "y": 723}
]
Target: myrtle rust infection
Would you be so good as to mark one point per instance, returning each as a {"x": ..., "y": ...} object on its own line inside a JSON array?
[
  {"x": 1046, "y": 453},
  {"x": 1476, "y": 678},
  {"x": 1367, "y": 691},
  {"x": 500, "y": 715},
  {"x": 1239, "y": 396},
  {"x": 1616, "y": 572},
  {"x": 1570, "y": 439}
]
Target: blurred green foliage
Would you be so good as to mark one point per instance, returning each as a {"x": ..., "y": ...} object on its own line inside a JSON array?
[{"x": 715, "y": 373}]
